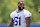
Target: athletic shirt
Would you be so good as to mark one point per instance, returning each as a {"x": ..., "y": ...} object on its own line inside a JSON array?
[{"x": 19, "y": 17}]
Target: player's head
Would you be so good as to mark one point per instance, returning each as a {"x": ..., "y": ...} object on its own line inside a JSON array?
[{"x": 20, "y": 5}]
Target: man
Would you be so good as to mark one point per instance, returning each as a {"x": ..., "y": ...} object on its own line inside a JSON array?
[{"x": 20, "y": 17}]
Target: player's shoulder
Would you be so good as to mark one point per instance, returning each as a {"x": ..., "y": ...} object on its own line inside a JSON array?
[
  {"x": 27, "y": 12},
  {"x": 12, "y": 14}
]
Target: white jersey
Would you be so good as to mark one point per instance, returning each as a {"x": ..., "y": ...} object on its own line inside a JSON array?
[{"x": 19, "y": 17}]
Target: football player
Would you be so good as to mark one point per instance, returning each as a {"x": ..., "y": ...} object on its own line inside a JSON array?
[{"x": 20, "y": 17}]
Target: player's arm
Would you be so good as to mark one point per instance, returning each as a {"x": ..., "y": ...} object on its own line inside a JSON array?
[
  {"x": 28, "y": 20},
  {"x": 11, "y": 23}
]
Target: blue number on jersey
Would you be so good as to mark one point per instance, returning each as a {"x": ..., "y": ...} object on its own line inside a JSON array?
[{"x": 15, "y": 21}]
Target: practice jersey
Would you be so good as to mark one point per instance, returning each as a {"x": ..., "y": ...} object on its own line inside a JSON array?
[{"x": 19, "y": 17}]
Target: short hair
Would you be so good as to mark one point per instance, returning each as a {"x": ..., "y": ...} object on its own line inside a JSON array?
[{"x": 20, "y": 1}]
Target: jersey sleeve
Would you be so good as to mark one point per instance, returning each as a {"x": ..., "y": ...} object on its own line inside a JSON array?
[
  {"x": 12, "y": 15},
  {"x": 28, "y": 14}
]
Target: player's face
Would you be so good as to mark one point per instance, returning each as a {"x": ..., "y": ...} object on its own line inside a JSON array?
[{"x": 21, "y": 6}]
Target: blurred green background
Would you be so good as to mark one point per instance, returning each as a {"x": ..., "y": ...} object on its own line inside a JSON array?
[{"x": 8, "y": 6}]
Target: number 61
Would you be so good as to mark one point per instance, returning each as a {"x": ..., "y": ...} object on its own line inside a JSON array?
[{"x": 15, "y": 21}]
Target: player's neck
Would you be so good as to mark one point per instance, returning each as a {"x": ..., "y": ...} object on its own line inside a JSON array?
[{"x": 19, "y": 10}]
